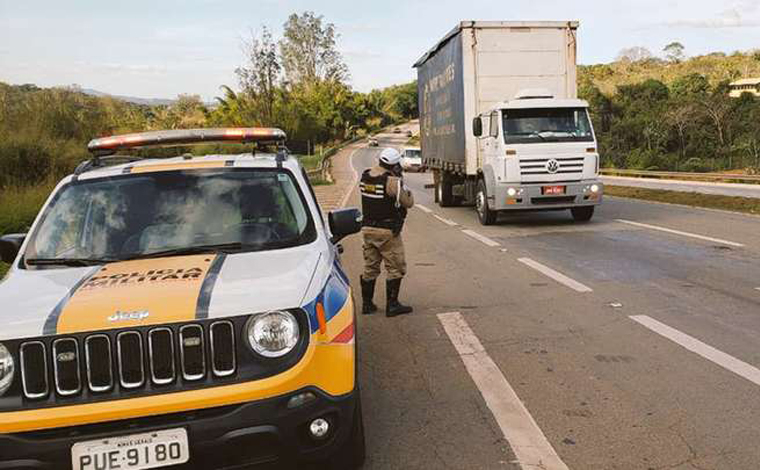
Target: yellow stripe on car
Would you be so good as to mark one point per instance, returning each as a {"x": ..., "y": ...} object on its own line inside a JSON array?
[{"x": 137, "y": 293}]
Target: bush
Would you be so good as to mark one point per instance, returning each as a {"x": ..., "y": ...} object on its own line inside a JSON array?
[{"x": 20, "y": 205}]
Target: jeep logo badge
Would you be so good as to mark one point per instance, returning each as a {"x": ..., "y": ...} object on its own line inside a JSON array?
[
  {"x": 552, "y": 166},
  {"x": 126, "y": 316},
  {"x": 66, "y": 357}
]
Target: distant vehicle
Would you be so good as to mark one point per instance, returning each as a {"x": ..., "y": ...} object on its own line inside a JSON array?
[
  {"x": 411, "y": 159},
  {"x": 531, "y": 145},
  {"x": 372, "y": 142},
  {"x": 409, "y": 134},
  {"x": 199, "y": 306},
  {"x": 396, "y": 130}
]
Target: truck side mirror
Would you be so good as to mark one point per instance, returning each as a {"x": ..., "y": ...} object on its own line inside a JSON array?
[
  {"x": 344, "y": 222},
  {"x": 10, "y": 245},
  {"x": 477, "y": 127}
]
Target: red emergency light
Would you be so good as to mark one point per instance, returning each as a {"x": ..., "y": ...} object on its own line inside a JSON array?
[{"x": 172, "y": 138}]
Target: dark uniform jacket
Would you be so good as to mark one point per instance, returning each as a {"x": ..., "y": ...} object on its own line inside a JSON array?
[{"x": 385, "y": 200}]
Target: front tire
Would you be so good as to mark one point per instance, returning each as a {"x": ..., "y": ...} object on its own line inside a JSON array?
[
  {"x": 486, "y": 215},
  {"x": 444, "y": 195},
  {"x": 582, "y": 214}
]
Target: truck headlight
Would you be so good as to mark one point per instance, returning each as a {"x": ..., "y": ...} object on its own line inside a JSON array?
[
  {"x": 511, "y": 192},
  {"x": 594, "y": 188},
  {"x": 7, "y": 369},
  {"x": 273, "y": 334}
]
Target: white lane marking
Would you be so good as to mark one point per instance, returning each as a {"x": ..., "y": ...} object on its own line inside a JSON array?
[
  {"x": 757, "y": 288},
  {"x": 694, "y": 345},
  {"x": 445, "y": 221},
  {"x": 526, "y": 439},
  {"x": 481, "y": 238},
  {"x": 557, "y": 276},
  {"x": 678, "y": 232},
  {"x": 423, "y": 208},
  {"x": 350, "y": 191}
]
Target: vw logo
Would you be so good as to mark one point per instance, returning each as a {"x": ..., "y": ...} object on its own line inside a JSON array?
[{"x": 552, "y": 166}]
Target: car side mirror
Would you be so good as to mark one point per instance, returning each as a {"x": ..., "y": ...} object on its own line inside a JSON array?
[
  {"x": 10, "y": 246},
  {"x": 477, "y": 127},
  {"x": 344, "y": 222}
]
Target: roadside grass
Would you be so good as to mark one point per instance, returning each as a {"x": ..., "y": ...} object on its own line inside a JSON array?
[
  {"x": 747, "y": 205},
  {"x": 3, "y": 269},
  {"x": 310, "y": 162}
]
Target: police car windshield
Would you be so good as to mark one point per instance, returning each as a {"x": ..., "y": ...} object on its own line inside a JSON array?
[
  {"x": 536, "y": 125},
  {"x": 175, "y": 212}
]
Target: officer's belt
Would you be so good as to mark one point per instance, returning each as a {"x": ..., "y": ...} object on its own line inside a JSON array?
[{"x": 390, "y": 224}]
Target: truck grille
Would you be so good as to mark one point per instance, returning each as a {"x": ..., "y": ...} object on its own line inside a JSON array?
[
  {"x": 538, "y": 166},
  {"x": 127, "y": 360}
]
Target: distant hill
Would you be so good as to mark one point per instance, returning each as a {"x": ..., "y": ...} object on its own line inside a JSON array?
[
  {"x": 130, "y": 99},
  {"x": 716, "y": 67}
]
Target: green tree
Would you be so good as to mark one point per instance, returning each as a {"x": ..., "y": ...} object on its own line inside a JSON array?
[
  {"x": 309, "y": 51},
  {"x": 674, "y": 52}
]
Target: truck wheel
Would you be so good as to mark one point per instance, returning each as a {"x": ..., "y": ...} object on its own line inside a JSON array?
[
  {"x": 443, "y": 191},
  {"x": 582, "y": 214},
  {"x": 485, "y": 214},
  {"x": 353, "y": 453}
]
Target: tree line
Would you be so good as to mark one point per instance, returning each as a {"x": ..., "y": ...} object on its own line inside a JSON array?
[
  {"x": 299, "y": 83},
  {"x": 671, "y": 120}
]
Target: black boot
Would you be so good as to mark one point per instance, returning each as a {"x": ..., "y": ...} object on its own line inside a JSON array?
[
  {"x": 393, "y": 307},
  {"x": 368, "y": 291}
]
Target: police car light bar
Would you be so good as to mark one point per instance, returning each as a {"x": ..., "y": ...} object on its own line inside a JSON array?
[{"x": 108, "y": 145}]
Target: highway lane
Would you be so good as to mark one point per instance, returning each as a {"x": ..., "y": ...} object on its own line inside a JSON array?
[
  {"x": 605, "y": 390},
  {"x": 726, "y": 189}
]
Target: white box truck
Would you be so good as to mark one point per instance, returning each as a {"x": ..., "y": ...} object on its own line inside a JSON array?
[{"x": 500, "y": 123}]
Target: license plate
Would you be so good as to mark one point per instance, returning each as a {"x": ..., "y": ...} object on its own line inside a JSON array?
[
  {"x": 135, "y": 452},
  {"x": 551, "y": 190}
]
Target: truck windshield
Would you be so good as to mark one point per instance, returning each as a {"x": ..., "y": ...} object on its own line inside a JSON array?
[
  {"x": 535, "y": 125},
  {"x": 134, "y": 216}
]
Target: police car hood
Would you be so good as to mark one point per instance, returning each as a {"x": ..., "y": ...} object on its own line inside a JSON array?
[{"x": 153, "y": 291}]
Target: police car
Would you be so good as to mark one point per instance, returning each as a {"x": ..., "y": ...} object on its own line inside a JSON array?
[{"x": 187, "y": 312}]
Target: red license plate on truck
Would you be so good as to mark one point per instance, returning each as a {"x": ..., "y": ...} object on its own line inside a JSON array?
[{"x": 553, "y": 190}]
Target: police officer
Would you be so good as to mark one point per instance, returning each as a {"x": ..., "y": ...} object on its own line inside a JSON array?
[{"x": 385, "y": 201}]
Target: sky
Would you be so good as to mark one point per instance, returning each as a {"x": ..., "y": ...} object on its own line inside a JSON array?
[{"x": 162, "y": 48}]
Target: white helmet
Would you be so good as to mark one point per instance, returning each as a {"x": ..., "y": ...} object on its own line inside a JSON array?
[{"x": 390, "y": 156}]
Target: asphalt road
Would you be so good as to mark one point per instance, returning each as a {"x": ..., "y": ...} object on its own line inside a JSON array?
[
  {"x": 725, "y": 189},
  {"x": 632, "y": 341}
]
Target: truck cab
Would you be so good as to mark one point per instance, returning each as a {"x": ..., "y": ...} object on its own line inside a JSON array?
[{"x": 537, "y": 152}]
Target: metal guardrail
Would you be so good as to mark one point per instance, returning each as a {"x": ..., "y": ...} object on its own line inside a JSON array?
[{"x": 680, "y": 175}]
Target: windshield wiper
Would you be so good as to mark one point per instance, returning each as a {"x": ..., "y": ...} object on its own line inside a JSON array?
[
  {"x": 191, "y": 250},
  {"x": 72, "y": 262}
]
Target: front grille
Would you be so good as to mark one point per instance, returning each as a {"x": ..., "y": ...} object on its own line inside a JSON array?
[
  {"x": 68, "y": 380},
  {"x": 97, "y": 350},
  {"x": 538, "y": 166},
  {"x": 129, "y": 360},
  {"x": 34, "y": 376}
]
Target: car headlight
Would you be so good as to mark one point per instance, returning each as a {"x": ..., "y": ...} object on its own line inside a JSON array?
[
  {"x": 7, "y": 368},
  {"x": 273, "y": 334}
]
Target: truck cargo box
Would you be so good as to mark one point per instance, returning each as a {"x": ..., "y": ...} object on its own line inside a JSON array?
[{"x": 481, "y": 63}]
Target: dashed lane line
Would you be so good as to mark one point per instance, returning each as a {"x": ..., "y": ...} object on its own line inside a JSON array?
[
  {"x": 530, "y": 445},
  {"x": 423, "y": 208},
  {"x": 684, "y": 234},
  {"x": 481, "y": 238},
  {"x": 696, "y": 346},
  {"x": 446, "y": 221},
  {"x": 557, "y": 276}
]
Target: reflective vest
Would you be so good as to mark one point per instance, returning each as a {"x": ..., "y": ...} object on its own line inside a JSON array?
[{"x": 378, "y": 208}]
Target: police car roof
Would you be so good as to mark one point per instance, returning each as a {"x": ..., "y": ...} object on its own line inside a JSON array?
[{"x": 246, "y": 160}]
